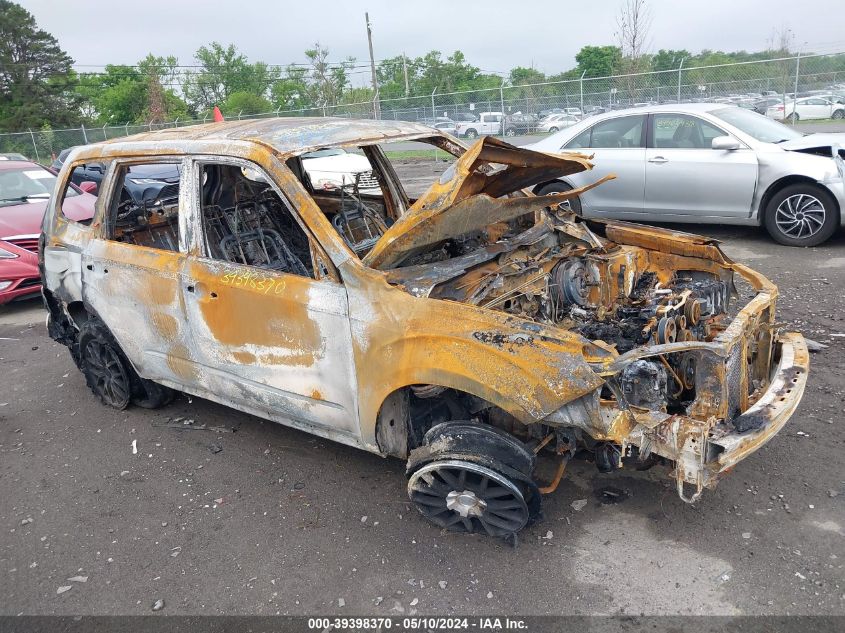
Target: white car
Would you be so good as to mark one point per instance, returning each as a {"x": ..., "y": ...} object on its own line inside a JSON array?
[
  {"x": 333, "y": 168},
  {"x": 556, "y": 122},
  {"x": 807, "y": 108}
]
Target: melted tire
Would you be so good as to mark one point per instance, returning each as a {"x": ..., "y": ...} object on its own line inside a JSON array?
[
  {"x": 110, "y": 375},
  {"x": 107, "y": 372},
  {"x": 483, "y": 453}
]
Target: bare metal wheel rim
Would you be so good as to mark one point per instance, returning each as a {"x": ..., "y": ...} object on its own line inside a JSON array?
[
  {"x": 107, "y": 372},
  {"x": 800, "y": 216},
  {"x": 461, "y": 496}
]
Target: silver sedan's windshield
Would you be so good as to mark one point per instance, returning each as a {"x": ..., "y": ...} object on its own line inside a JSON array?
[{"x": 760, "y": 127}]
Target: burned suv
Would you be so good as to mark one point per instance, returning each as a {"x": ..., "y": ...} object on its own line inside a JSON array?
[{"x": 485, "y": 334}]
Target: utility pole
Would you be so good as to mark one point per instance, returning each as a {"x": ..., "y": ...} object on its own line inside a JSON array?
[
  {"x": 405, "y": 69},
  {"x": 376, "y": 104}
]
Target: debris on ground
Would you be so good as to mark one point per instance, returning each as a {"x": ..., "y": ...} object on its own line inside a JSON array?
[
  {"x": 158, "y": 605},
  {"x": 578, "y": 504},
  {"x": 63, "y": 588},
  {"x": 215, "y": 448},
  {"x": 78, "y": 579},
  {"x": 814, "y": 346}
]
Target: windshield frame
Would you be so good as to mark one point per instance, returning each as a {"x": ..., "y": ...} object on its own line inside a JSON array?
[{"x": 779, "y": 131}]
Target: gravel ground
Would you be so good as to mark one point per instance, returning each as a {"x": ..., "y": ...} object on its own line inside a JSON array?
[{"x": 253, "y": 518}]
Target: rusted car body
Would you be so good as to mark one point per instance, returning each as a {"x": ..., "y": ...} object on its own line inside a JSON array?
[{"x": 468, "y": 330}]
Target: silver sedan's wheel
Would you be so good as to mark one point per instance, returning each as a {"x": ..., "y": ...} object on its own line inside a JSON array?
[
  {"x": 803, "y": 214},
  {"x": 800, "y": 216},
  {"x": 462, "y": 496}
]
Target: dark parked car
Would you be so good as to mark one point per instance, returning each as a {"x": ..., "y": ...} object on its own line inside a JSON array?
[
  {"x": 519, "y": 123},
  {"x": 144, "y": 183}
]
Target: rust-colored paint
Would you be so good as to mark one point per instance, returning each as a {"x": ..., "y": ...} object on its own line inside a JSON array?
[{"x": 242, "y": 314}]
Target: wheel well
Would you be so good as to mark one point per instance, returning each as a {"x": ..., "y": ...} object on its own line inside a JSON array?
[
  {"x": 539, "y": 186},
  {"x": 409, "y": 412},
  {"x": 786, "y": 181},
  {"x": 78, "y": 312}
]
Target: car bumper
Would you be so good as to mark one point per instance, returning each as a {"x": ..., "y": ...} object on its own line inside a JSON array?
[
  {"x": 771, "y": 411},
  {"x": 19, "y": 277},
  {"x": 19, "y": 289},
  {"x": 837, "y": 188}
]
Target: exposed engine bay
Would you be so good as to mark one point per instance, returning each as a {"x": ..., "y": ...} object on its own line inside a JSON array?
[{"x": 580, "y": 282}]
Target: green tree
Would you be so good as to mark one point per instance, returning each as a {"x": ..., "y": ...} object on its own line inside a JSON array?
[
  {"x": 223, "y": 72},
  {"x": 291, "y": 91},
  {"x": 598, "y": 61},
  {"x": 246, "y": 103},
  {"x": 36, "y": 77},
  {"x": 326, "y": 81}
]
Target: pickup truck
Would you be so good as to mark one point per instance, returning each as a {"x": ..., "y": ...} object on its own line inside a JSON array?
[{"x": 488, "y": 123}]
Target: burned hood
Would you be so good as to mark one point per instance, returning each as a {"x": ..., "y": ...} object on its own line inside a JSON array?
[
  {"x": 828, "y": 144},
  {"x": 468, "y": 196}
]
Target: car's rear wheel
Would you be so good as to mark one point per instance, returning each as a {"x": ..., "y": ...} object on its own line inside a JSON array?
[
  {"x": 801, "y": 215},
  {"x": 106, "y": 370},
  {"x": 109, "y": 374},
  {"x": 471, "y": 133},
  {"x": 552, "y": 130},
  {"x": 794, "y": 117},
  {"x": 510, "y": 132},
  {"x": 573, "y": 204}
]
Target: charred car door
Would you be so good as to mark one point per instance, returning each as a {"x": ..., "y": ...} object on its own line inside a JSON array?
[
  {"x": 269, "y": 336},
  {"x": 132, "y": 273}
]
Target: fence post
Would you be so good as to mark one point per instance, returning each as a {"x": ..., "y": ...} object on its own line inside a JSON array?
[
  {"x": 239, "y": 115},
  {"x": 176, "y": 122},
  {"x": 84, "y": 134},
  {"x": 581, "y": 90},
  {"x": 105, "y": 138},
  {"x": 127, "y": 128},
  {"x": 795, "y": 92},
  {"x": 433, "y": 113},
  {"x": 680, "y": 70},
  {"x": 34, "y": 146}
]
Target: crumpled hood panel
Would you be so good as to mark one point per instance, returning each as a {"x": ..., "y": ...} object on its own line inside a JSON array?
[{"x": 488, "y": 170}]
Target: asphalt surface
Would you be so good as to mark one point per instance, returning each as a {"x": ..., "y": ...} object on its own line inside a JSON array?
[{"x": 251, "y": 517}]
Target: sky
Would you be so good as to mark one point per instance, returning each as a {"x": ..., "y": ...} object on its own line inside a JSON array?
[{"x": 494, "y": 35}]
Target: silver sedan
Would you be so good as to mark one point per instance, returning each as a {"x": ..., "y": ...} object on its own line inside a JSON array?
[{"x": 709, "y": 163}]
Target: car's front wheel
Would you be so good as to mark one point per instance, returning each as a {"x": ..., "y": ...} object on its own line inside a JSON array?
[
  {"x": 838, "y": 114},
  {"x": 471, "y": 133},
  {"x": 573, "y": 204},
  {"x": 552, "y": 130},
  {"x": 801, "y": 215}
]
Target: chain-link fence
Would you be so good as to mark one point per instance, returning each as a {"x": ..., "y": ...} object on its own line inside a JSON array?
[{"x": 755, "y": 84}]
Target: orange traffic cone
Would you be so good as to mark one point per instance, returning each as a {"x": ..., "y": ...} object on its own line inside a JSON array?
[{"x": 218, "y": 116}]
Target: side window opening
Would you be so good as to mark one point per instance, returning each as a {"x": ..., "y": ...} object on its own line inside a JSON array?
[
  {"x": 144, "y": 210},
  {"x": 351, "y": 191},
  {"x": 580, "y": 141},
  {"x": 620, "y": 132},
  {"x": 246, "y": 222}
]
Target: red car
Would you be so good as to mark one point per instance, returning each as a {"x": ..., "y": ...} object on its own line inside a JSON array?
[{"x": 25, "y": 189}]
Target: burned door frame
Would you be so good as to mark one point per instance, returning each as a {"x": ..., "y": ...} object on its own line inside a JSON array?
[
  {"x": 135, "y": 290},
  {"x": 297, "y": 370}
]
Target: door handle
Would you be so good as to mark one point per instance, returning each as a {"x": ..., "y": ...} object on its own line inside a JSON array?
[{"x": 658, "y": 160}]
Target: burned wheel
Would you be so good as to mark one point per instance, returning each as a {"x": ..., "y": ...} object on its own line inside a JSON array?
[
  {"x": 461, "y": 496},
  {"x": 106, "y": 371}
]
